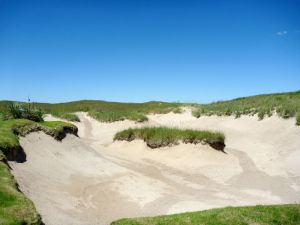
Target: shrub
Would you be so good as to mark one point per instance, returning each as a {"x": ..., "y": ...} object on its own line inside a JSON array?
[
  {"x": 17, "y": 111},
  {"x": 196, "y": 113}
]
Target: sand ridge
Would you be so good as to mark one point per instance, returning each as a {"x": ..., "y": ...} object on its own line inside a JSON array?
[{"x": 93, "y": 180}]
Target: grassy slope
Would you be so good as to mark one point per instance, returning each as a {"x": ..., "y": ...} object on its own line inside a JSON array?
[
  {"x": 15, "y": 208},
  {"x": 105, "y": 111},
  {"x": 285, "y": 104},
  {"x": 10, "y": 128},
  {"x": 254, "y": 215},
  {"x": 164, "y": 136}
]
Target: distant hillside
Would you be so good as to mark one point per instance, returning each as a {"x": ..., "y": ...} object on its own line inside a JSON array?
[{"x": 284, "y": 104}]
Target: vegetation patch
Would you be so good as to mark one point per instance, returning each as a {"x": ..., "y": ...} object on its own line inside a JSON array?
[
  {"x": 15, "y": 208},
  {"x": 285, "y": 105},
  {"x": 10, "y": 129},
  {"x": 22, "y": 111},
  {"x": 156, "y": 137},
  {"x": 104, "y": 111},
  {"x": 258, "y": 215},
  {"x": 111, "y": 116},
  {"x": 298, "y": 120},
  {"x": 66, "y": 116}
]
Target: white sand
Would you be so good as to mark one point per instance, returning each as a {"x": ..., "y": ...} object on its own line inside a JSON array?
[{"x": 93, "y": 180}]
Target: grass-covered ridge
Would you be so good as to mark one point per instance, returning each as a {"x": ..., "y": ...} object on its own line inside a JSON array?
[
  {"x": 156, "y": 137},
  {"x": 103, "y": 110},
  {"x": 258, "y": 215},
  {"x": 10, "y": 129},
  {"x": 284, "y": 105},
  {"x": 15, "y": 208},
  {"x": 66, "y": 116}
]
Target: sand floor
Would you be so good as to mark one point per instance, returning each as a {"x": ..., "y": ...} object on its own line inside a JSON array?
[{"x": 93, "y": 180}]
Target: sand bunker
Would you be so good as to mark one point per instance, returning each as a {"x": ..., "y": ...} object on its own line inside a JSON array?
[{"x": 93, "y": 180}]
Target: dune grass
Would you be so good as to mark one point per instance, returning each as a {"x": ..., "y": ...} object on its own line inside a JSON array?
[
  {"x": 111, "y": 116},
  {"x": 298, "y": 119},
  {"x": 104, "y": 111},
  {"x": 156, "y": 137},
  {"x": 66, "y": 116},
  {"x": 252, "y": 215},
  {"x": 285, "y": 105},
  {"x": 10, "y": 129},
  {"x": 15, "y": 208}
]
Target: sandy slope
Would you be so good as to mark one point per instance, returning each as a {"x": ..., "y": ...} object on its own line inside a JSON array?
[{"x": 93, "y": 180}]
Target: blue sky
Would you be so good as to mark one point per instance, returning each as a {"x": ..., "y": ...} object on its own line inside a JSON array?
[{"x": 135, "y": 51}]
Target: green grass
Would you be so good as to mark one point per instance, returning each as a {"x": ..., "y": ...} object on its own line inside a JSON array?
[
  {"x": 163, "y": 136},
  {"x": 10, "y": 129},
  {"x": 298, "y": 119},
  {"x": 253, "y": 215},
  {"x": 15, "y": 208},
  {"x": 111, "y": 116},
  {"x": 66, "y": 116},
  {"x": 284, "y": 104},
  {"x": 104, "y": 111}
]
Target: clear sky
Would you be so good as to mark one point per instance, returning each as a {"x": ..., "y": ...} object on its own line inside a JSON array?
[{"x": 134, "y": 51}]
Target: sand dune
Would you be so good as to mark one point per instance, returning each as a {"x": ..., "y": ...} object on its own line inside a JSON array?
[{"x": 93, "y": 180}]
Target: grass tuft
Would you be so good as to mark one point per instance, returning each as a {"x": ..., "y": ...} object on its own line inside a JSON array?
[{"x": 156, "y": 137}]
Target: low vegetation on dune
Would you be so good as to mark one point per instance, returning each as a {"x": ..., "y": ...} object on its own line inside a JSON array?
[
  {"x": 258, "y": 215},
  {"x": 284, "y": 105},
  {"x": 298, "y": 119},
  {"x": 104, "y": 111},
  {"x": 15, "y": 208},
  {"x": 111, "y": 116},
  {"x": 66, "y": 116},
  {"x": 156, "y": 137},
  {"x": 10, "y": 129},
  {"x": 22, "y": 111}
]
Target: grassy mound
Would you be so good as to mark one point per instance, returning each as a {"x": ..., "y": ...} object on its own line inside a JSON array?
[
  {"x": 156, "y": 137},
  {"x": 66, "y": 116},
  {"x": 284, "y": 104},
  {"x": 258, "y": 215},
  {"x": 15, "y": 208},
  {"x": 10, "y": 129}
]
